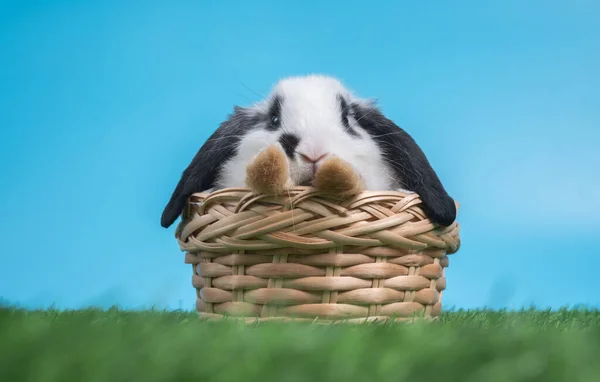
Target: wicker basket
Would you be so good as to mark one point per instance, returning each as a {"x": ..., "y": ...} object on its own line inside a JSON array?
[{"x": 309, "y": 256}]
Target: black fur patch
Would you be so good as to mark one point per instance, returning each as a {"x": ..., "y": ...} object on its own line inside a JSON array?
[
  {"x": 345, "y": 108},
  {"x": 289, "y": 142},
  {"x": 274, "y": 114}
]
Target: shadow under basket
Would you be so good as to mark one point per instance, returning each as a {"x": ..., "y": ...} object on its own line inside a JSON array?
[{"x": 310, "y": 256}]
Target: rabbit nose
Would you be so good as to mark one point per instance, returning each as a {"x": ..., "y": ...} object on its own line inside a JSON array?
[{"x": 313, "y": 159}]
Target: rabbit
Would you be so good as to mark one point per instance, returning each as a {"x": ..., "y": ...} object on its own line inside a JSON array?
[{"x": 307, "y": 124}]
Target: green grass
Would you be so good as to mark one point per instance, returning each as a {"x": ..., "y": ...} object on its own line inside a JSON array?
[{"x": 114, "y": 345}]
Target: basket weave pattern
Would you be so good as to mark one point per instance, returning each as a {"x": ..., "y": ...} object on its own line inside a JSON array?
[{"x": 309, "y": 256}]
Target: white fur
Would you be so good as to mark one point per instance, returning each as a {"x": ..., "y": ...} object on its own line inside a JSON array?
[{"x": 311, "y": 110}]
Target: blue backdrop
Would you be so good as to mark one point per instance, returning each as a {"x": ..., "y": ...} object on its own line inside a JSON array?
[{"x": 103, "y": 104}]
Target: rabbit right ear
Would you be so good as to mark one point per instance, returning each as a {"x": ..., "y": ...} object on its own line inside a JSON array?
[
  {"x": 408, "y": 163},
  {"x": 204, "y": 170}
]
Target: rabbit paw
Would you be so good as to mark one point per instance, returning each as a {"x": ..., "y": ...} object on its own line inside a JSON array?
[
  {"x": 336, "y": 176},
  {"x": 268, "y": 173}
]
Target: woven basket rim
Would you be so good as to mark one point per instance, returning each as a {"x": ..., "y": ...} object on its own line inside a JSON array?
[{"x": 246, "y": 197}]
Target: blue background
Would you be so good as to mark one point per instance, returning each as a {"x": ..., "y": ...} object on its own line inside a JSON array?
[{"x": 103, "y": 104}]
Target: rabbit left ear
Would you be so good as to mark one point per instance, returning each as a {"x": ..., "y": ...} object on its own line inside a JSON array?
[
  {"x": 409, "y": 164},
  {"x": 202, "y": 173}
]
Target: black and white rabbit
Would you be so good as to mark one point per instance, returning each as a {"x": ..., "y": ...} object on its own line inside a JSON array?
[{"x": 312, "y": 118}]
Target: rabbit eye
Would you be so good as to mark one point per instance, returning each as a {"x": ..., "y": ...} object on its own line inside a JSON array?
[
  {"x": 274, "y": 125},
  {"x": 346, "y": 111},
  {"x": 352, "y": 111},
  {"x": 274, "y": 114}
]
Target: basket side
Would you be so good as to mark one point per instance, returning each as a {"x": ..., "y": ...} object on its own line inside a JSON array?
[{"x": 316, "y": 260}]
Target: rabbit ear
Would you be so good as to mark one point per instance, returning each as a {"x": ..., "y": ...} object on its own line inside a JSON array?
[
  {"x": 204, "y": 170},
  {"x": 409, "y": 164}
]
